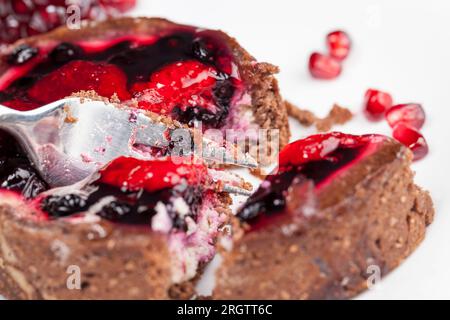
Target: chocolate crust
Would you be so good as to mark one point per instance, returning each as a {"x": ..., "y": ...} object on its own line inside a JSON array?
[
  {"x": 267, "y": 105},
  {"x": 115, "y": 261},
  {"x": 378, "y": 223}
]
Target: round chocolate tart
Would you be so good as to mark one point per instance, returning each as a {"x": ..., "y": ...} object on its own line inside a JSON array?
[{"x": 340, "y": 212}]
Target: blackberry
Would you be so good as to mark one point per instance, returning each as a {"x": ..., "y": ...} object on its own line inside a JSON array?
[
  {"x": 22, "y": 54},
  {"x": 201, "y": 50},
  {"x": 115, "y": 211},
  {"x": 63, "y": 206},
  {"x": 65, "y": 52}
]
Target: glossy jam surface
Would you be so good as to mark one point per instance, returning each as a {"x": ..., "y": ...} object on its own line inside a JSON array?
[
  {"x": 131, "y": 189},
  {"x": 188, "y": 75},
  {"x": 315, "y": 161}
]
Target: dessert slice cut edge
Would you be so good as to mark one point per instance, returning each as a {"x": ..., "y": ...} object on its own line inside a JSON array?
[
  {"x": 148, "y": 237},
  {"x": 329, "y": 239}
]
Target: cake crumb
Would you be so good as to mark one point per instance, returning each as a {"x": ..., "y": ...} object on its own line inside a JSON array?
[
  {"x": 259, "y": 173},
  {"x": 304, "y": 117},
  {"x": 337, "y": 115}
]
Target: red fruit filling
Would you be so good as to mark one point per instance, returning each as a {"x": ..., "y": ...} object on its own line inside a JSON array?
[
  {"x": 308, "y": 164},
  {"x": 324, "y": 67},
  {"x": 78, "y": 75},
  {"x": 411, "y": 138},
  {"x": 188, "y": 75},
  {"x": 23, "y": 18},
  {"x": 129, "y": 191},
  {"x": 376, "y": 103},
  {"x": 338, "y": 43},
  {"x": 411, "y": 114}
]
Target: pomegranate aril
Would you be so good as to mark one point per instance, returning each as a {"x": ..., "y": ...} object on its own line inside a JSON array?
[
  {"x": 339, "y": 44},
  {"x": 120, "y": 5},
  {"x": 376, "y": 103},
  {"x": 411, "y": 138},
  {"x": 324, "y": 67},
  {"x": 411, "y": 114}
]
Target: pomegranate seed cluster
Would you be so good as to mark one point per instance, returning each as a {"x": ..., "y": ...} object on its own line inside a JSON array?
[
  {"x": 405, "y": 119},
  {"x": 329, "y": 66}
]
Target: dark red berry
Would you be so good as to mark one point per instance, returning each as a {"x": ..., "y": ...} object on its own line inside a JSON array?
[
  {"x": 23, "y": 179},
  {"x": 411, "y": 114},
  {"x": 339, "y": 44},
  {"x": 411, "y": 138},
  {"x": 22, "y": 54},
  {"x": 376, "y": 103},
  {"x": 324, "y": 67}
]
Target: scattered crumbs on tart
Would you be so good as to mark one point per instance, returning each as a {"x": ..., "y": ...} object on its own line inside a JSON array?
[{"x": 69, "y": 116}]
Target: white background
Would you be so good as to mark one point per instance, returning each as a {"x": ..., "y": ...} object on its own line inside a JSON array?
[{"x": 399, "y": 46}]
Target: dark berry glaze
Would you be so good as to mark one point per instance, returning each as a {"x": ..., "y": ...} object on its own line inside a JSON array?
[
  {"x": 186, "y": 74},
  {"x": 16, "y": 172},
  {"x": 128, "y": 191},
  {"x": 314, "y": 161}
]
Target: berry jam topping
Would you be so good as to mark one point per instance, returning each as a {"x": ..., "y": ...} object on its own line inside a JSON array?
[
  {"x": 324, "y": 67},
  {"x": 308, "y": 165},
  {"x": 187, "y": 75},
  {"x": 412, "y": 138},
  {"x": 16, "y": 172},
  {"x": 411, "y": 114},
  {"x": 376, "y": 103},
  {"x": 23, "y": 18},
  {"x": 130, "y": 191}
]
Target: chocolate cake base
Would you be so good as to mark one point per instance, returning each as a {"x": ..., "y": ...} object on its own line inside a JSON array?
[
  {"x": 41, "y": 260},
  {"x": 370, "y": 220}
]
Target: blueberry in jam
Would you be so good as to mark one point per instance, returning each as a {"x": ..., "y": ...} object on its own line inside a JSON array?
[
  {"x": 185, "y": 75},
  {"x": 314, "y": 160}
]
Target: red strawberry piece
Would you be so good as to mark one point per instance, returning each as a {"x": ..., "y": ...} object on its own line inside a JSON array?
[
  {"x": 133, "y": 174},
  {"x": 180, "y": 84},
  {"x": 78, "y": 75}
]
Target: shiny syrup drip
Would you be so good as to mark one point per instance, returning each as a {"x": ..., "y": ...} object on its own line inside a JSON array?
[
  {"x": 270, "y": 199},
  {"x": 136, "y": 62}
]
